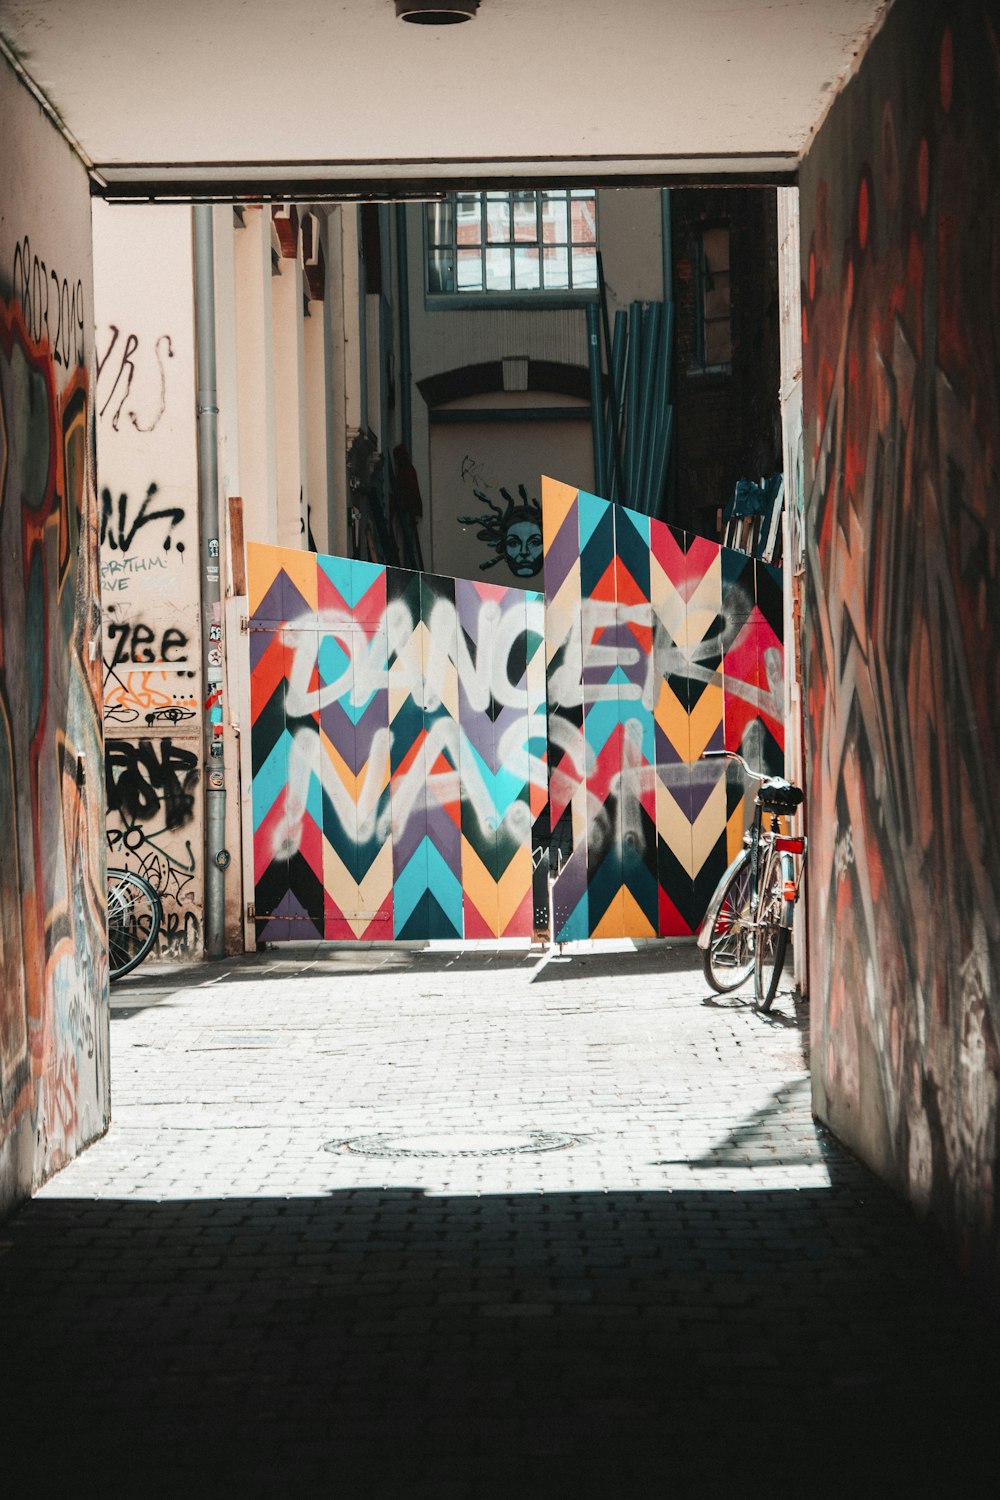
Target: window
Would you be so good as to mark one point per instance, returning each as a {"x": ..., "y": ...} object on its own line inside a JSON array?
[
  {"x": 505, "y": 244},
  {"x": 714, "y": 334}
]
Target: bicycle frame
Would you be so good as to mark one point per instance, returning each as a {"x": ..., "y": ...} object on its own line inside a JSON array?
[{"x": 792, "y": 845}]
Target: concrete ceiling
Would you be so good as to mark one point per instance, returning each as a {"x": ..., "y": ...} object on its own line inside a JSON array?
[{"x": 205, "y": 97}]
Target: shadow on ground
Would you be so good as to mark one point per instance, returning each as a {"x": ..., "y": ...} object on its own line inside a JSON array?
[{"x": 393, "y": 1344}]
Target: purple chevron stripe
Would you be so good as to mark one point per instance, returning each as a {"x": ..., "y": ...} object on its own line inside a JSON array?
[
  {"x": 354, "y": 741},
  {"x": 690, "y": 796},
  {"x": 477, "y": 728},
  {"x": 295, "y": 607},
  {"x": 406, "y": 837},
  {"x": 667, "y": 753},
  {"x": 563, "y": 551},
  {"x": 270, "y": 610},
  {"x": 259, "y": 642},
  {"x": 443, "y": 834},
  {"x": 569, "y": 885}
]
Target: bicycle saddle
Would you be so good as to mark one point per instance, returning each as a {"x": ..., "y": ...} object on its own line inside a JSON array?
[{"x": 778, "y": 794}]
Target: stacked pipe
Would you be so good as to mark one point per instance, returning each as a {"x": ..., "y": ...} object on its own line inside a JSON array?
[{"x": 633, "y": 429}]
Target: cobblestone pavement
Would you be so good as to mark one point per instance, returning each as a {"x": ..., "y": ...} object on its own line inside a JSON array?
[{"x": 420, "y": 1222}]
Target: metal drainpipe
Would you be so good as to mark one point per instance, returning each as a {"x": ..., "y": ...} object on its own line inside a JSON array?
[{"x": 216, "y": 854}]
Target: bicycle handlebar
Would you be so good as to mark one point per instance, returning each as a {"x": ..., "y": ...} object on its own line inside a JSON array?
[{"x": 732, "y": 755}]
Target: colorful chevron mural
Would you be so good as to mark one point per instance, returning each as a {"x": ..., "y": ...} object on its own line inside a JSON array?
[
  {"x": 659, "y": 645},
  {"x": 425, "y": 750},
  {"x": 398, "y": 751}
]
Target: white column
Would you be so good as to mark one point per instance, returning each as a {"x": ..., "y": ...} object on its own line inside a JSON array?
[
  {"x": 289, "y": 401},
  {"x": 316, "y": 402},
  {"x": 227, "y": 359},
  {"x": 255, "y": 373},
  {"x": 343, "y": 352},
  {"x": 793, "y": 546}
]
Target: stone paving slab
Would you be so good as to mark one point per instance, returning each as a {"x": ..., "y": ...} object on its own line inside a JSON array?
[{"x": 429, "y": 1222}]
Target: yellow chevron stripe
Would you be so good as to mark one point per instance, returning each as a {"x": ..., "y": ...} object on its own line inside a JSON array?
[
  {"x": 612, "y": 924},
  {"x": 480, "y": 887},
  {"x": 635, "y": 923},
  {"x": 302, "y": 570},
  {"x": 512, "y": 886},
  {"x": 666, "y": 601},
  {"x": 734, "y": 829},
  {"x": 373, "y": 888},
  {"x": 704, "y": 720},
  {"x": 338, "y": 881},
  {"x": 708, "y": 826},
  {"x": 672, "y": 718},
  {"x": 263, "y": 565},
  {"x": 557, "y": 498}
]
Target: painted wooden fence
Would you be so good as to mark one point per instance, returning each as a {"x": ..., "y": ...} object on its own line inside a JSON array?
[
  {"x": 398, "y": 750},
  {"x": 425, "y": 750},
  {"x": 659, "y": 645}
]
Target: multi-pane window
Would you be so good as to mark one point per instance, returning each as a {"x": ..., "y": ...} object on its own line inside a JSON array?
[
  {"x": 545, "y": 241},
  {"x": 714, "y": 322}
]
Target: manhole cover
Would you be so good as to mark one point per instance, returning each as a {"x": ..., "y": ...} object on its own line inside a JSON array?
[{"x": 494, "y": 1143}]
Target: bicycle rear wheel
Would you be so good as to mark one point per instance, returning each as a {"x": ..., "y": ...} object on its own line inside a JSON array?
[
  {"x": 771, "y": 938},
  {"x": 134, "y": 914},
  {"x": 728, "y": 959}
]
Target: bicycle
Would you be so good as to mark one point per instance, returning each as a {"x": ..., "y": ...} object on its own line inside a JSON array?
[
  {"x": 134, "y": 916},
  {"x": 749, "y": 917}
]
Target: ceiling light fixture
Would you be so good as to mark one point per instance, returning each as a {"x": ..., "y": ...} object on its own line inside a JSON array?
[{"x": 436, "y": 12}]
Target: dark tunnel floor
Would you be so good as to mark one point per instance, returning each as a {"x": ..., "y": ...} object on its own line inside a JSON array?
[{"x": 586, "y": 1241}]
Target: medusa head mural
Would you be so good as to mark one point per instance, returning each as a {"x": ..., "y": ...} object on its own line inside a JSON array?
[{"x": 514, "y": 534}]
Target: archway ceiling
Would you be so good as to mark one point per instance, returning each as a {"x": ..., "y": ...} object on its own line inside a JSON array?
[{"x": 216, "y": 97}]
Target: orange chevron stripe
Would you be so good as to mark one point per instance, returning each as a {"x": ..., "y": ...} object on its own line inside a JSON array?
[
  {"x": 270, "y": 671},
  {"x": 480, "y": 888},
  {"x": 512, "y": 886},
  {"x": 264, "y": 563},
  {"x": 557, "y": 499}
]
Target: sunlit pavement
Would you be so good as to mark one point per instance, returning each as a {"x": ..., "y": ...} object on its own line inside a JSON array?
[{"x": 475, "y": 1223}]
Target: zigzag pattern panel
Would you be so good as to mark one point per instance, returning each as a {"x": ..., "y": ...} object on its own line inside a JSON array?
[
  {"x": 660, "y": 645},
  {"x": 398, "y": 751}
]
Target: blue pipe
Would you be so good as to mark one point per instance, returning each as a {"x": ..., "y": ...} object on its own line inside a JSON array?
[
  {"x": 596, "y": 393},
  {"x": 405, "y": 369},
  {"x": 619, "y": 346},
  {"x": 633, "y": 398},
  {"x": 650, "y": 362}
]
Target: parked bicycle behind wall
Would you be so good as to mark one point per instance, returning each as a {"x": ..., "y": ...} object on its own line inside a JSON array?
[
  {"x": 134, "y": 916},
  {"x": 749, "y": 918}
]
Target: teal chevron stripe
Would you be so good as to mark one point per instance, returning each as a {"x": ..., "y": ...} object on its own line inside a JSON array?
[
  {"x": 577, "y": 924},
  {"x": 592, "y": 511},
  {"x": 426, "y": 870},
  {"x": 271, "y": 779}
]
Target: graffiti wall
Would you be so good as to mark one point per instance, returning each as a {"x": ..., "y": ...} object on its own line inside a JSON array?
[
  {"x": 420, "y": 762},
  {"x": 398, "y": 750},
  {"x": 148, "y": 489},
  {"x": 660, "y": 645},
  {"x": 53, "y": 966},
  {"x": 900, "y": 311}
]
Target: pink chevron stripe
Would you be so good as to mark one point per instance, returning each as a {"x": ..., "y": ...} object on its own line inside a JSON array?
[
  {"x": 520, "y": 924},
  {"x": 270, "y": 832}
]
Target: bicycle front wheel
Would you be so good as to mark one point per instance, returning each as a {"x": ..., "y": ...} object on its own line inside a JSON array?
[
  {"x": 729, "y": 957},
  {"x": 133, "y": 920},
  {"x": 771, "y": 938}
]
